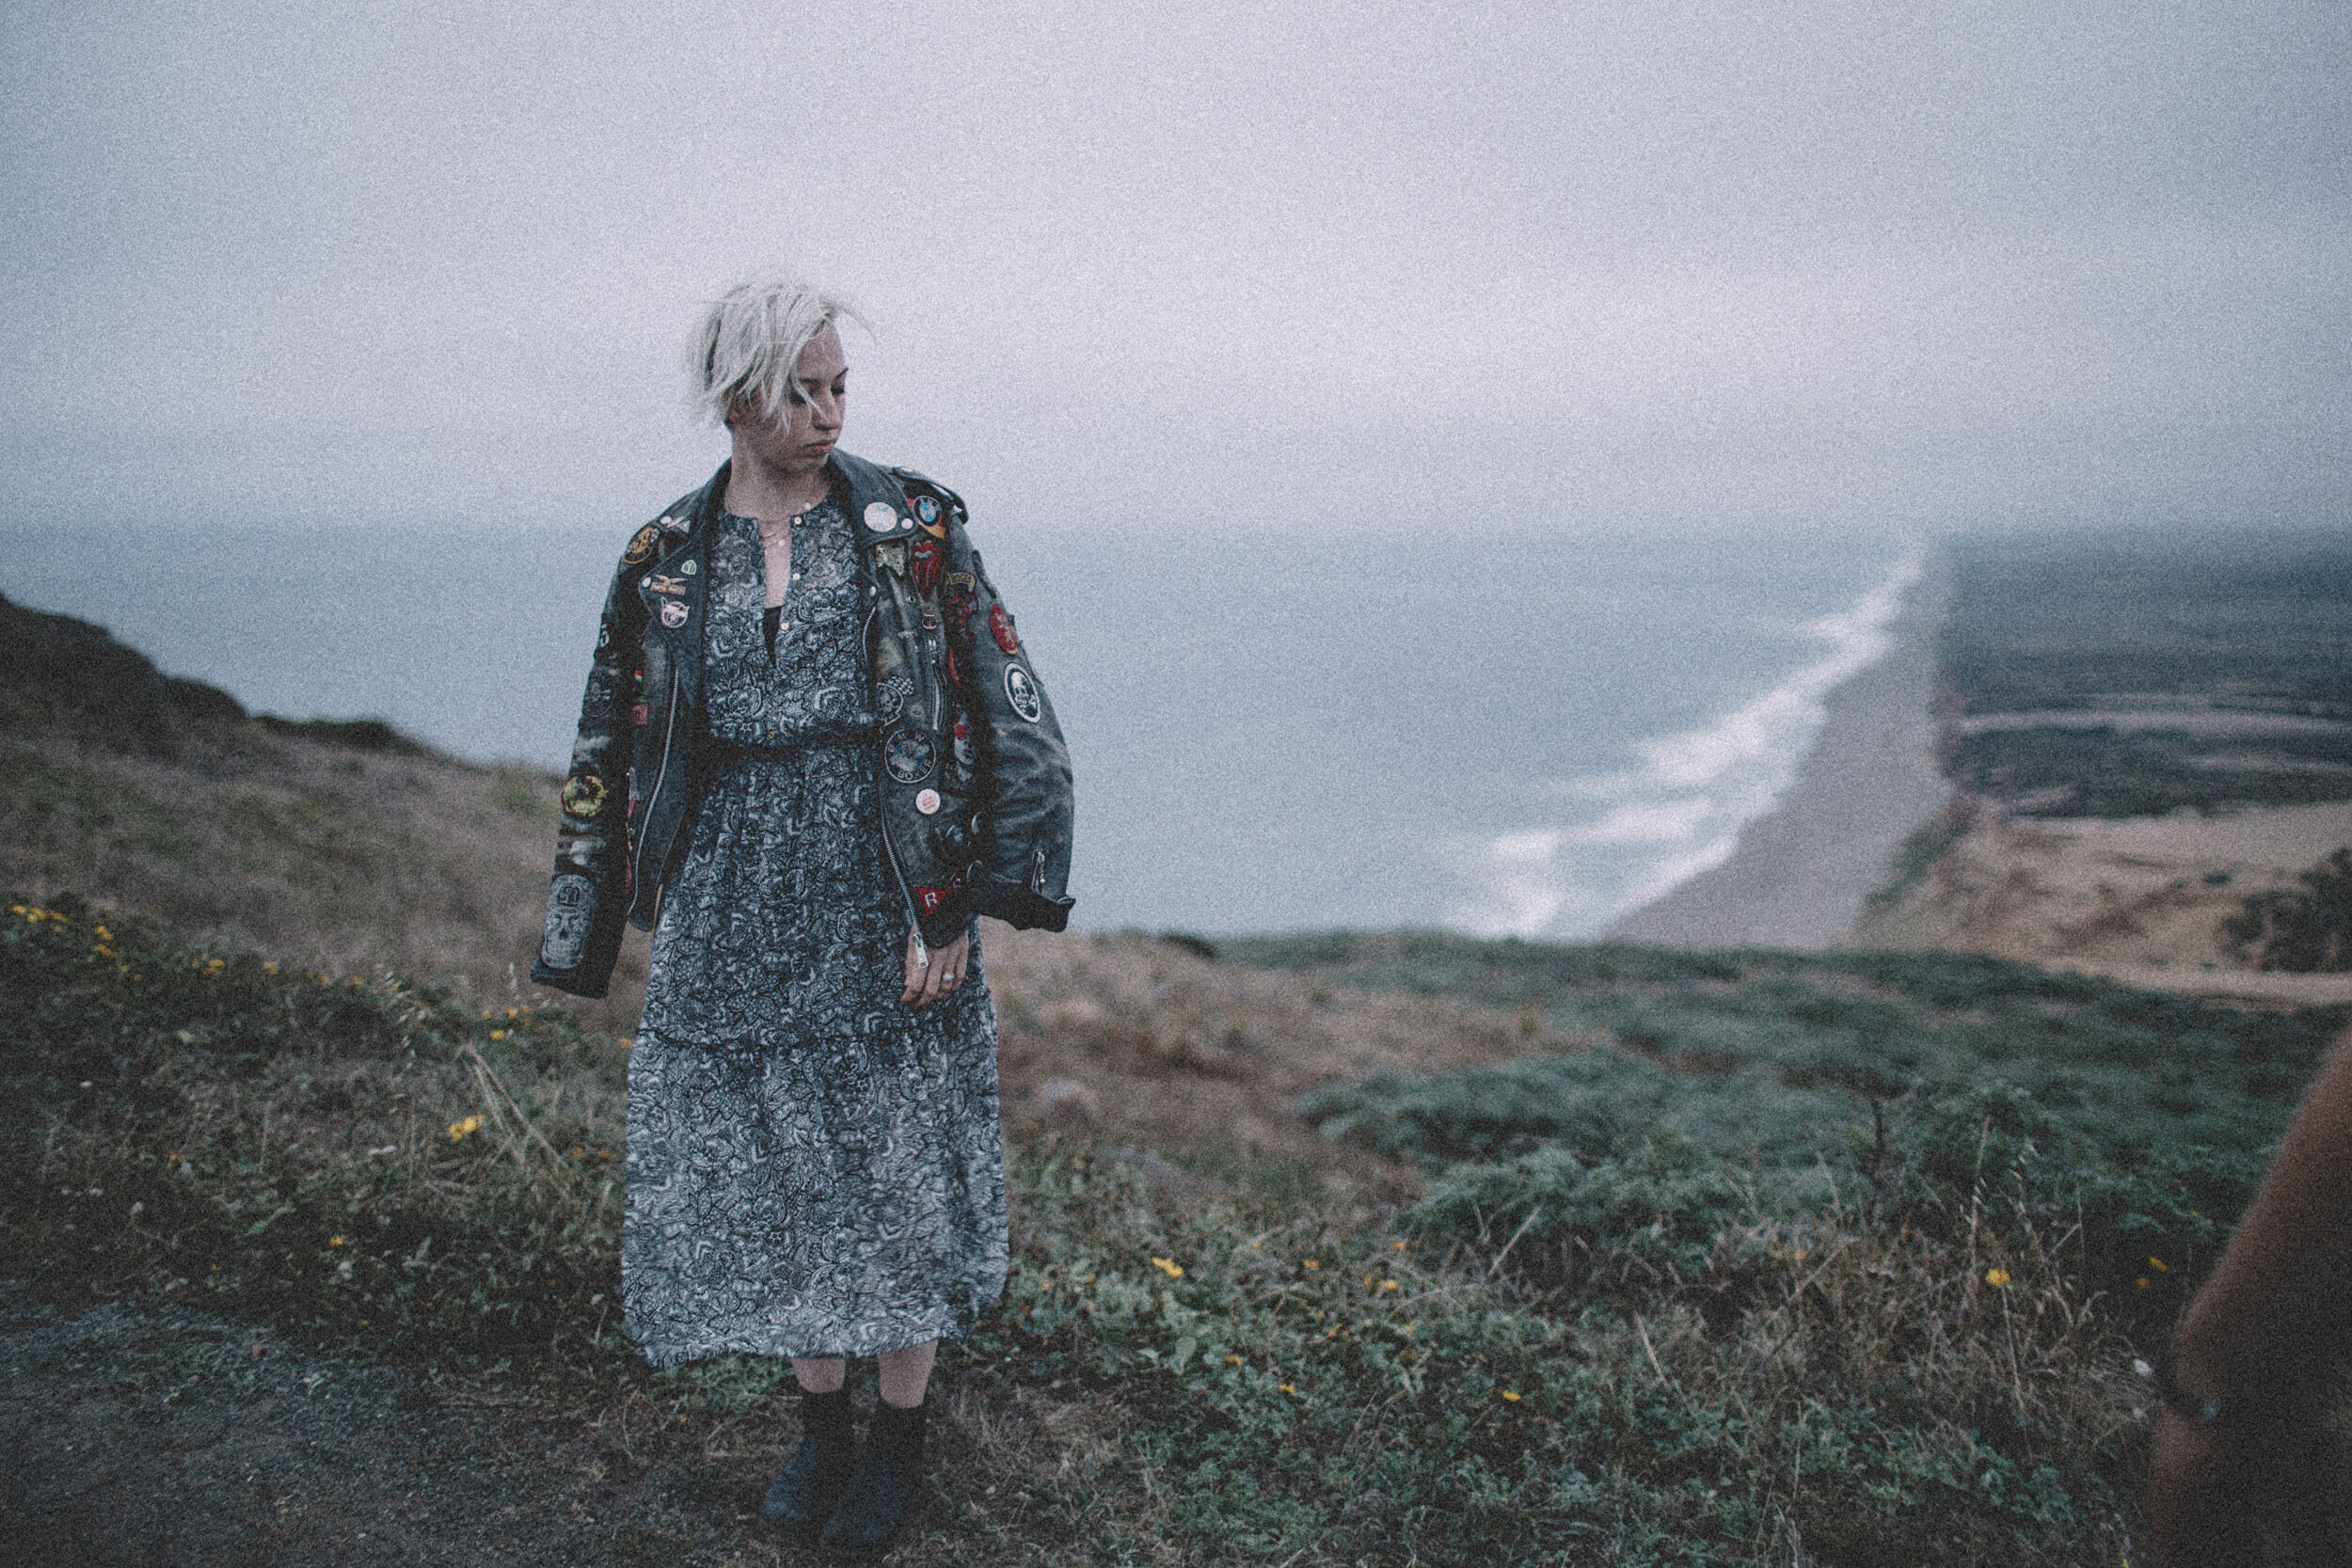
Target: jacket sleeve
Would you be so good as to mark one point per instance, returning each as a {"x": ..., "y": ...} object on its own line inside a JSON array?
[
  {"x": 1027, "y": 809},
  {"x": 588, "y": 898}
]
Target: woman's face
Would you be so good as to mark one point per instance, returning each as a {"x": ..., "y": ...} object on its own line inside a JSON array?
[{"x": 798, "y": 444}]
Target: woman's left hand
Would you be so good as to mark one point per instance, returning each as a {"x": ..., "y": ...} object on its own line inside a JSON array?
[{"x": 933, "y": 972}]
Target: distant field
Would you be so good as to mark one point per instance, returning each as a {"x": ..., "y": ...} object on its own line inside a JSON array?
[{"x": 2101, "y": 638}]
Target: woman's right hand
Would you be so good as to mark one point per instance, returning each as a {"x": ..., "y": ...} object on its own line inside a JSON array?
[{"x": 935, "y": 971}]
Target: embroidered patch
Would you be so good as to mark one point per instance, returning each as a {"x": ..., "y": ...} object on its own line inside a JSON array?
[
  {"x": 928, "y": 899},
  {"x": 890, "y": 697},
  {"x": 962, "y": 744},
  {"x": 571, "y": 913},
  {"x": 641, "y": 545},
  {"x": 908, "y": 756},
  {"x": 890, "y": 557},
  {"x": 673, "y": 613},
  {"x": 924, "y": 560},
  {"x": 583, "y": 795},
  {"x": 1000, "y": 627},
  {"x": 926, "y": 510},
  {"x": 1022, "y": 693},
  {"x": 659, "y": 584}
]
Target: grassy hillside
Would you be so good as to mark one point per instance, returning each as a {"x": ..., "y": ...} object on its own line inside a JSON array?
[{"x": 1211, "y": 1376}]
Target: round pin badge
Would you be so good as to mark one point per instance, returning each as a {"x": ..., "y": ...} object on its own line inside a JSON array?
[
  {"x": 909, "y": 757},
  {"x": 880, "y": 516},
  {"x": 927, "y": 801},
  {"x": 688, "y": 566},
  {"x": 673, "y": 614}
]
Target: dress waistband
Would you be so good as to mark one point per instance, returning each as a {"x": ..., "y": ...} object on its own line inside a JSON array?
[{"x": 712, "y": 755}]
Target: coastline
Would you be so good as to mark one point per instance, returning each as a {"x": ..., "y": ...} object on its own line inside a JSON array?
[{"x": 1803, "y": 872}]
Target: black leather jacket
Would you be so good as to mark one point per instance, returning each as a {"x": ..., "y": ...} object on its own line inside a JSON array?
[{"x": 973, "y": 773}]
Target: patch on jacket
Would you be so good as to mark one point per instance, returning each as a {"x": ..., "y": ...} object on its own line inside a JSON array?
[
  {"x": 641, "y": 545},
  {"x": 890, "y": 698},
  {"x": 583, "y": 797},
  {"x": 571, "y": 913},
  {"x": 1021, "y": 691},
  {"x": 926, "y": 560},
  {"x": 1000, "y": 627}
]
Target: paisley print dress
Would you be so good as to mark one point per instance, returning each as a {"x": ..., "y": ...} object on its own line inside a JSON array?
[{"x": 813, "y": 1168}]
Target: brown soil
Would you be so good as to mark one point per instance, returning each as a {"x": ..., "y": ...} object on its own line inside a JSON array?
[{"x": 177, "y": 1440}]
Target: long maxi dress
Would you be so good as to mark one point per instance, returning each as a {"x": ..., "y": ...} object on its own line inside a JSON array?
[{"x": 813, "y": 1168}]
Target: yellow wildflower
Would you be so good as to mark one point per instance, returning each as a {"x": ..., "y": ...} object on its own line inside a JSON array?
[
  {"x": 1310, "y": 1264},
  {"x": 1510, "y": 1394},
  {"x": 1396, "y": 1246},
  {"x": 2157, "y": 1264},
  {"x": 1286, "y": 1388},
  {"x": 1168, "y": 1267},
  {"x": 1997, "y": 1277},
  {"x": 498, "y": 1034},
  {"x": 2142, "y": 1283},
  {"x": 1237, "y": 1360},
  {"x": 334, "y": 1241},
  {"x": 1388, "y": 1284},
  {"x": 457, "y": 1130}
]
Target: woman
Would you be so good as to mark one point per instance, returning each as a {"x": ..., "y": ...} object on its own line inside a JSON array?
[{"x": 836, "y": 754}]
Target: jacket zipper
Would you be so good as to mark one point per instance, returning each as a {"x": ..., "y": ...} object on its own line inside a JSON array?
[
  {"x": 669, "y": 732},
  {"x": 882, "y": 778}
]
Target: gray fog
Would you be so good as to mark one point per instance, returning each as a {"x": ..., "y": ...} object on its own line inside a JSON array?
[{"x": 1589, "y": 265}]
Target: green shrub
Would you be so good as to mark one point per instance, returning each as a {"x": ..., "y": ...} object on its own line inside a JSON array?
[{"x": 2306, "y": 932}]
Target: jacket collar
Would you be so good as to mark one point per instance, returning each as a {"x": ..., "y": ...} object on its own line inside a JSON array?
[{"x": 872, "y": 496}]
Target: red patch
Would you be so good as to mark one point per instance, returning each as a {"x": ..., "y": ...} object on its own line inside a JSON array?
[
  {"x": 929, "y": 899},
  {"x": 1000, "y": 627},
  {"x": 637, "y": 716},
  {"x": 925, "y": 562}
]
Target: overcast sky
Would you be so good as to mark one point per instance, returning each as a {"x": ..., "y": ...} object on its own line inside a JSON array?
[{"x": 1267, "y": 263}]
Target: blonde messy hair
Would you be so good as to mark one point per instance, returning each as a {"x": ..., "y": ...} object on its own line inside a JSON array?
[{"x": 752, "y": 336}]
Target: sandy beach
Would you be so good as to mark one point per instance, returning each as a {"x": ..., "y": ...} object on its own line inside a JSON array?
[{"x": 1802, "y": 872}]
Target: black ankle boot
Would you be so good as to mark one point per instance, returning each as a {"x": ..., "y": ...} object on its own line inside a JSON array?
[
  {"x": 881, "y": 1494},
  {"x": 812, "y": 1480}
]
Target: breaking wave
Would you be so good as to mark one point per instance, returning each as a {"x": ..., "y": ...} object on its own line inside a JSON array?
[{"x": 1624, "y": 838}]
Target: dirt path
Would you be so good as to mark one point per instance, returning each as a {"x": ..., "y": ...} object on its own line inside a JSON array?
[{"x": 175, "y": 1438}]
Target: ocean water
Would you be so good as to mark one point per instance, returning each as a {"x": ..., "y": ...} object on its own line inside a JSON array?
[{"x": 1501, "y": 732}]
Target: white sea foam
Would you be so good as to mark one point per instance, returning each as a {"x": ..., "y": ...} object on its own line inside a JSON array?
[{"x": 1648, "y": 829}]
